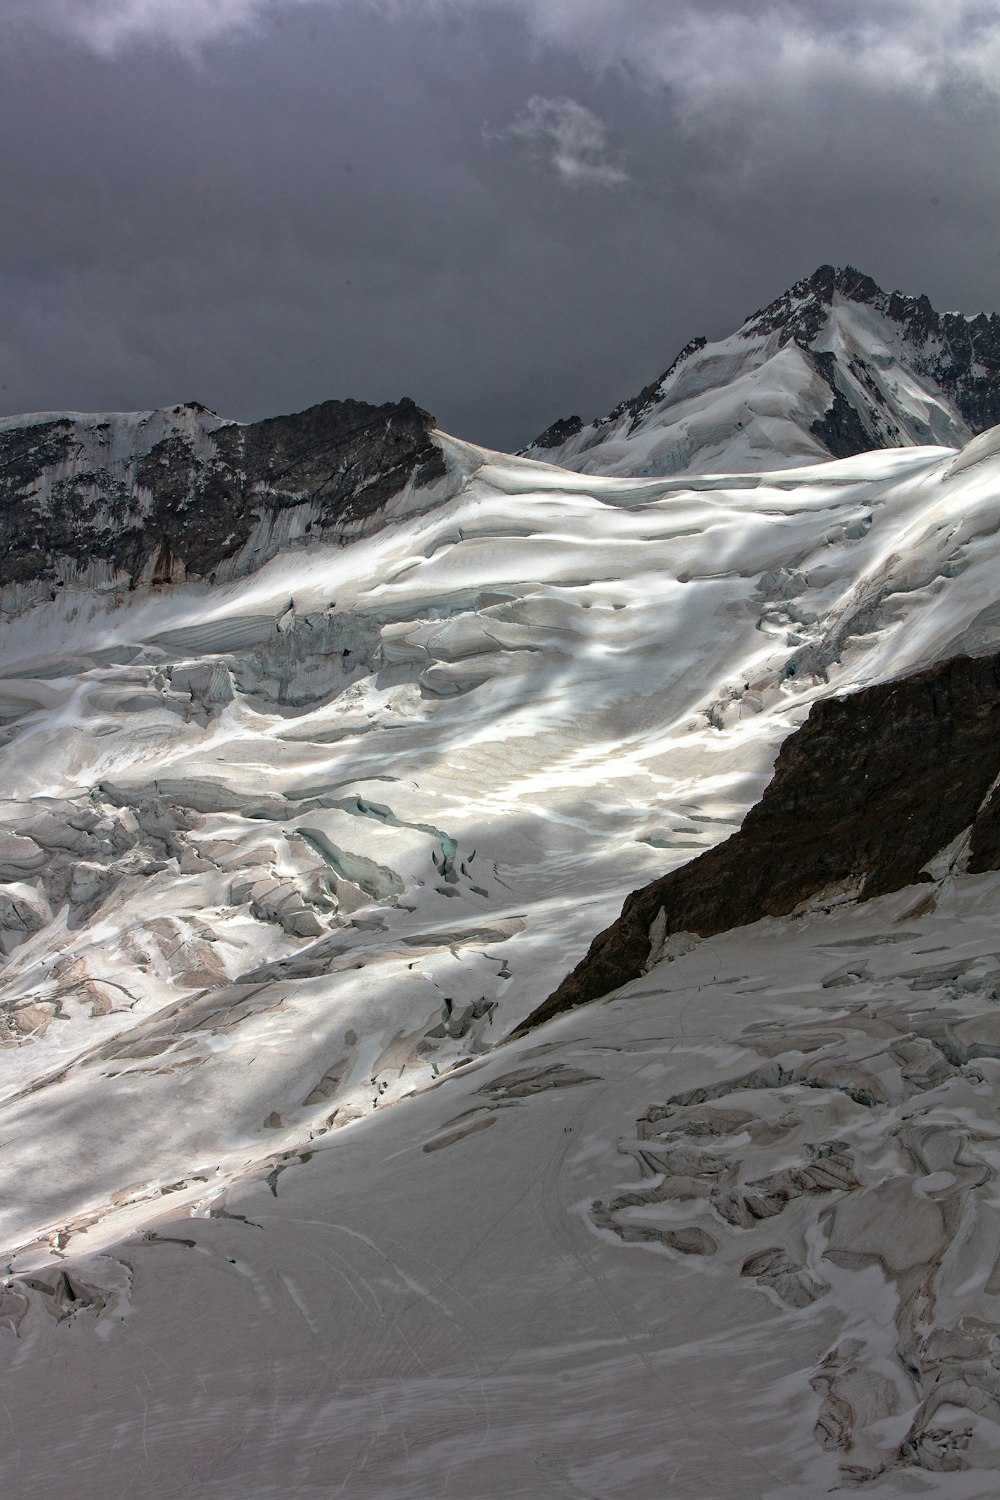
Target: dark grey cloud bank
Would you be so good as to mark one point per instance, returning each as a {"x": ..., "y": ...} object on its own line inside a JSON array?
[{"x": 508, "y": 209}]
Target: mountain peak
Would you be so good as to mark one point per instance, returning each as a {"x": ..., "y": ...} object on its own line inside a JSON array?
[
  {"x": 804, "y": 307},
  {"x": 833, "y": 367},
  {"x": 847, "y": 280}
]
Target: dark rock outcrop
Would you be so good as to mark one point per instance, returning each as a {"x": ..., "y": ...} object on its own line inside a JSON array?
[
  {"x": 840, "y": 429},
  {"x": 190, "y": 500},
  {"x": 868, "y": 791},
  {"x": 560, "y": 432}
]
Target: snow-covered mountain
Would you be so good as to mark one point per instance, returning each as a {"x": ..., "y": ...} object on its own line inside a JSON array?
[
  {"x": 121, "y": 500},
  {"x": 301, "y": 823},
  {"x": 833, "y": 367}
]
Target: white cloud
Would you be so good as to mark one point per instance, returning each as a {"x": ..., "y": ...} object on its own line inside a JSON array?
[
  {"x": 569, "y": 138},
  {"x": 111, "y": 26},
  {"x": 711, "y": 53},
  {"x": 714, "y": 50}
]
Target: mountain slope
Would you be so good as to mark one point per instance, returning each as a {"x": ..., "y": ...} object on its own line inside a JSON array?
[{"x": 833, "y": 367}]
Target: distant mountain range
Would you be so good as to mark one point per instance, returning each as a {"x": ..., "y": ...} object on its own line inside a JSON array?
[{"x": 833, "y": 367}]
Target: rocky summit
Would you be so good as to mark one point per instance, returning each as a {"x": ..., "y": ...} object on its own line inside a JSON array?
[{"x": 339, "y": 1156}]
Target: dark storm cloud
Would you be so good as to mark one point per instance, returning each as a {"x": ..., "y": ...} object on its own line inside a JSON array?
[{"x": 508, "y": 209}]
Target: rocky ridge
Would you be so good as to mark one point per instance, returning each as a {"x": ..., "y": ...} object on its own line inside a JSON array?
[{"x": 156, "y": 497}]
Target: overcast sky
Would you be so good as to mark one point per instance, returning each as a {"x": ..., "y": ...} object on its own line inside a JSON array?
[{"x": 509, "y": 210}]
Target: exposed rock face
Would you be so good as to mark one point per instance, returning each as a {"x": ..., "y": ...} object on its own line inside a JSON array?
[
  {"x": 840, "y": 429},
  {"x": 169, "y": 494},
  {"x": 864, "y": 795}
]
